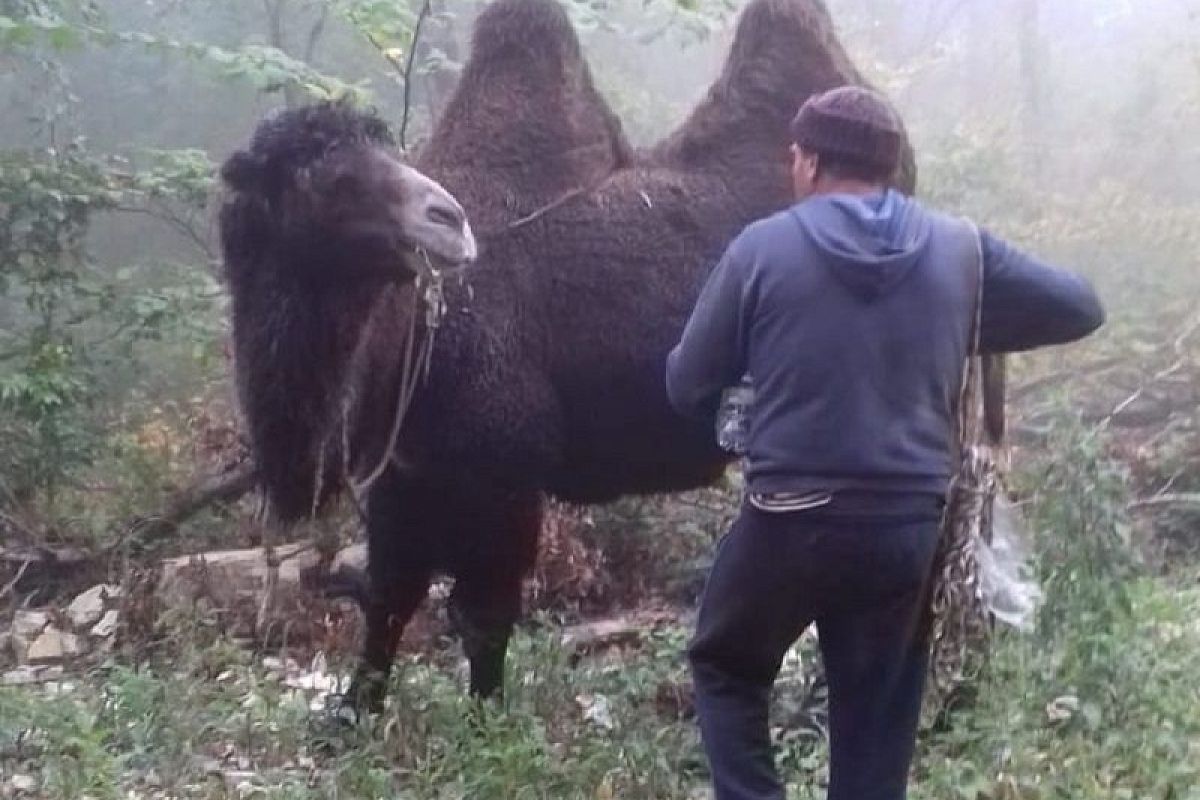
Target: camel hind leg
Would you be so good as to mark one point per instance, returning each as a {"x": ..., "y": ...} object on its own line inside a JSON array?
[{"x": 485, "y": 603}]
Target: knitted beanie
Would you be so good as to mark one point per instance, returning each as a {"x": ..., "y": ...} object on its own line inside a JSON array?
[{"x": 853, "y": 123}]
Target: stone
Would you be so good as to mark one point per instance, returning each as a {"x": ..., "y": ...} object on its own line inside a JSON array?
[
  {"x": 29, "y": 674},
  {"x": 23, "y": 783},
  {"x": 238, "y": 584},
  {"x": 1061, "y": 709},
  {"x": 591, "y": 636},
  {"x": 596, "y": 710},
  {"x": 227, "y": 574},
  {"x": 29, "y": 623},
  {"x": 239, "y": 780},
  {"x": 87, "y": 609},
  {"x": 352, "y": 557},
  {"x": 107, "y": 625},
  {"x": 27, "y": 626},
  {"x": 52, "y": 646}
]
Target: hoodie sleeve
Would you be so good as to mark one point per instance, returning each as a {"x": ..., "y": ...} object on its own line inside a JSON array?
[
  {"x": 1028, "y": 304},
  {"x": 711, "y": 356}
]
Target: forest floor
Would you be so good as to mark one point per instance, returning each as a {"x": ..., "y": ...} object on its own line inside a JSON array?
[
  {"x": 1098, "y": 702},
  {"x": 1103, "y": 707}
]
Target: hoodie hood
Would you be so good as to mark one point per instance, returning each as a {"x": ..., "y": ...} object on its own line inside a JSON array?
[{"x": 870, "y": 242}]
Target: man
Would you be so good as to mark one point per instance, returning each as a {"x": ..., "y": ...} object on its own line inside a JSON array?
[{"x": 852, "y": 314}]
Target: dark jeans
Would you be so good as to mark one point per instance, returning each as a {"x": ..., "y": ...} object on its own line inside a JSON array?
[{"x": 862, "y": 573}]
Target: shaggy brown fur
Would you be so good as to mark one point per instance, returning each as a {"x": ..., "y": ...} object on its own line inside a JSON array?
[
  {"x": 548, "y": 374},
  {"x": 526, "y": 89},
  {"x": 306, "y": 261}
]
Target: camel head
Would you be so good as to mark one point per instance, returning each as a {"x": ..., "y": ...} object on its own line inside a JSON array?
[
  {"x": 324, "y": 188},
  {"x": 327, "y": 238}
]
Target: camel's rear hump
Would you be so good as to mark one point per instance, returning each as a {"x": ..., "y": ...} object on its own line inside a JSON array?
[{"x": 784, "y": 51}]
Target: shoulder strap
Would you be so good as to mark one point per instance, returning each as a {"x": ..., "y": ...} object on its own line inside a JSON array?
[
  {"x": 969, "y": 393},
  {"x": 984, "y": 377}
]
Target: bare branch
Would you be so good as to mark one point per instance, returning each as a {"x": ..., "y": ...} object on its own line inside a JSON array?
[
  {"x": 180, "y": 226},
  {"x": 315, "y": 33},
  {"x": 8, "y": 587},
  {"x": 190, "y": 501},
  {"x": 1183, "y": 502},
  {"x": 408, "y": 71}
]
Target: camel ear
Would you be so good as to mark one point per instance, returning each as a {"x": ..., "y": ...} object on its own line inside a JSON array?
[
  {"x": 526, "y": 119},
  {"x": 244, "y": 172}
]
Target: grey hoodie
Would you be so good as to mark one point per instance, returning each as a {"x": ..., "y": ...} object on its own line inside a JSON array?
[{"x": 852, "y": 317}]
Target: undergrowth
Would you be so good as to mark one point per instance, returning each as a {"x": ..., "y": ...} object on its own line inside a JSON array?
[{"x": 1098, "y": 702}]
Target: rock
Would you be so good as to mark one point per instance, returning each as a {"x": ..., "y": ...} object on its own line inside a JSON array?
[
  {"x": 1061, "y": 709},
  {"x": 352, "y": 557},
  {"x": 592, "y": 637},
  {"x": 28, "y": 674},
  {"x": 239, "y": 781},
  {"x": 29, "y": 624},
  {"x": 52, "y": 646},
  {"x": 23, "y": 783},
  {"x": 236, "y": 583},
  {"x": 230, "y": 573},
  {"x": 107, "y": 625},
  {"x": 87, "y": 609},
  {"x": 596, "y": 710}
]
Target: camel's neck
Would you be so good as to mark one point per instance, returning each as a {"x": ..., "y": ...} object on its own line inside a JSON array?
[{"x": 303, "y": 355}]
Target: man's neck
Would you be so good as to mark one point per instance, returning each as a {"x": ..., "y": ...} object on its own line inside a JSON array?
[{"x": 847, "y": 186}]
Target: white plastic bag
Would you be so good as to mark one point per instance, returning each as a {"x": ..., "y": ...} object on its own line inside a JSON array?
[{"x": 1009, "y": 590}]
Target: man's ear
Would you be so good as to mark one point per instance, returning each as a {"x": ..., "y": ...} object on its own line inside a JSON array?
[{"x": 812, "y": 164}]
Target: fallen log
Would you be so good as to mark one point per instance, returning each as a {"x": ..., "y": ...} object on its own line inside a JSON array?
[
  {"x": 597, "y": 636},
  {"x": 1176, "y": 502},
  {"x": 270, "y": 600},
  {"x": 34, "y": 568},
  {"x": 228, "y": 487}
]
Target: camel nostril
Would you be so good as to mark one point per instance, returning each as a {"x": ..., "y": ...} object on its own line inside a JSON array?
[{"x": 448, "y": 216}]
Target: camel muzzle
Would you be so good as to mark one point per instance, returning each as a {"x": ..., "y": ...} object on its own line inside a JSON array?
[{"x": 433, "y": 221}]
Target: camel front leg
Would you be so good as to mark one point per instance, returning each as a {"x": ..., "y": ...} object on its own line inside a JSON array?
[
  {"x": 387, "y": 613},
  {"x": 399, "y": 570}
]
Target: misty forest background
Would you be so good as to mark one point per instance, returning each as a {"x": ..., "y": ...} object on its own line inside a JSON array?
[{"x": 1071, "y": 127}]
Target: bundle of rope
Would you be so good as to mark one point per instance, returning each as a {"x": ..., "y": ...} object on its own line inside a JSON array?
[{"x": 959, "y": 617}]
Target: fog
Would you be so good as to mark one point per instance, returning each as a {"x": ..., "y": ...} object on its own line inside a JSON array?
[
  {"x": 1075, "y": 94},
  {"x": 1070, "y": 125}
]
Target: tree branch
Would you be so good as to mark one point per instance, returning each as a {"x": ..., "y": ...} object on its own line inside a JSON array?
[
  {"x": 314, "y": 34},
  {"x": 1184, "y": 502},
  {"x": 408, "y": 70},
  {"x": 184, "y": 505},
  {"x": 179, "y": 225}
]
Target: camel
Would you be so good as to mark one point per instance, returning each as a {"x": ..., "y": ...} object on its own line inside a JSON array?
[{"x": 546, "y": 372}]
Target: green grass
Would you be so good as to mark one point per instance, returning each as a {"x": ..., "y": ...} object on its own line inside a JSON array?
[
  {"x": 1100, "y": 702},
  {"x": 1130, "y": 702},
  {"x": 1130, "y": 727}
]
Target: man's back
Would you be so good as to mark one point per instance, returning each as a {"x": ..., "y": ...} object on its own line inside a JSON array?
[
  {"x": 860, "y": 316},
  {"x": 854, "y": 321}
]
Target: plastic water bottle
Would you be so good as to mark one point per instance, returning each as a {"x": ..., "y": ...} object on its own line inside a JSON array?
[{"x": 733, "y": 417}]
